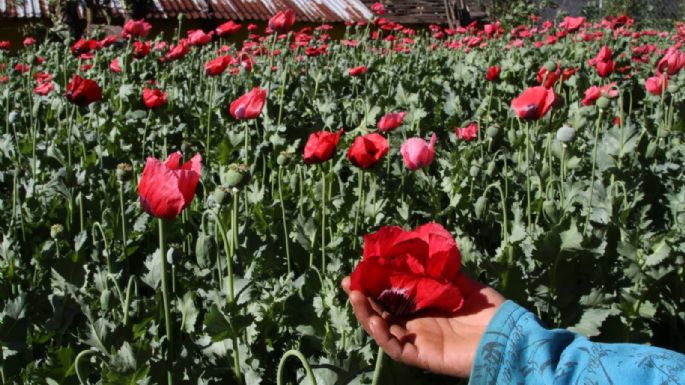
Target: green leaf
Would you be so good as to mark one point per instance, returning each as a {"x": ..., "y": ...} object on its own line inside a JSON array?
[
  {"x": 571, "y": 239},
  {"x": 189, "y": 313},
  {"x": 591, "y": 321}
]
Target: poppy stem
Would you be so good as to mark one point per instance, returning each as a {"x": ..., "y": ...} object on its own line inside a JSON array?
[
  {"x": 592, "y": 177},
  {"x": 165, "y": 298},
  {"x": 212, "y": 93},
  {"x": 379, "y": 367},
  {"x": 323, "y": 219},
  {"x": 528, "y": 171},
  {"x": 285, "y": 224},
  {"x": 360, "y": 203},
  {"x": 297, "y": 354}
]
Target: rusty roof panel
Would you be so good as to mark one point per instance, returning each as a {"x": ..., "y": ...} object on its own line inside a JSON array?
[{"x": 305, "y": 10}]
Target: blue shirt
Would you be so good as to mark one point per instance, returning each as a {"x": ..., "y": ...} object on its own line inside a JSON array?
[{"x": 517, "y": 350}]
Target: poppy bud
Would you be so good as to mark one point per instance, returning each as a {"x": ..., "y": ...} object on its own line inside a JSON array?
[
  {"x": 220, "y": 195},
  {"x": 566, "y": 134},
  {"x": 123, "y": 172},
  {"x": 283, "y": 158},
  {"x": 205, "y": 247},
  {"x": 550, "y": 66},
  {"x": 550, "y": 210},
  {"x": 475, "y": 169},
  {"x": 492, "y": 131},
  {"x": 237, "y": 175},
  {"x": 603, "y": 103}
]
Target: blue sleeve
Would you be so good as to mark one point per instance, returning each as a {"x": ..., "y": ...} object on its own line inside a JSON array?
[{"x": 517, "y": 350}]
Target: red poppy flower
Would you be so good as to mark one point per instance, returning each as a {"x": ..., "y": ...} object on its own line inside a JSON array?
[
  {"x": 378, "y": 8},
  {"x": 165, "y": 189},
  {"x": 22, "y": 68},
  {"x": 356, "y": 71},
  {"x": 4, "y": 79},
  {"x": 572, "y": 24},
  {"x": 44, "y": 87},
  {"x": 153, "y": 98},
  {"x": 410, "y": 271},
  {"x": 250, "y": 105},
  {"x": 83, "y": 91},
  {"x": 217, "y": 66},
  {"x": 367, "y": 150},
  {"x": 321, "y": 146},
  {"x": 114, "y": 65},
  {"x": 548, "y": 79},
  {"x": 468, "y": 133},
  {"x": 672, "y": 62},
  {"x": 136, "y": 28},
  {"x": 417, "y": 153},
  {"x": 29, "y": 41},
  {"x": 178, "y": 51},
  {"x": 140, "y": 49},
  {"x": 228, "y": 28},
  {"x": 656, "y": 84},
  {"x": 593, "y": 93},
  {"x": 107, "y": 41},
  {"x": 83, "y": 46},
  {"x": 199, "y": 37},
  {"x": 390, "y": 121},
  {"x": 5, "y": 45},
  {"x": 492, "y": 74},
  {"x": 533, "y": 103},
  {"x": 282, "y": 21}
]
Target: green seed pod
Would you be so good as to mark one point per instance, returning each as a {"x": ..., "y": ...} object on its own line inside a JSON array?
[
  {"x": 603, "y": 102},
  {"x": 124, "y": 171},
  {"x": 205, "y": 247},
  {"x": 221, "y": 196},
  {"x": 283, "y": 158},
  {"x": 491, "y": 168},
  {"x": 237, "y": 175},
  {"x": 566, "y": 134},
  {"x": 474, "y": 170},
  {"x": 550, "y": 66},
  {"x": 492, "y": 131},
  {"x": 56, "y": 230}
]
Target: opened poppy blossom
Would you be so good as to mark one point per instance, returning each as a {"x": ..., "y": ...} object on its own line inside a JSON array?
[
  {"x": 228, "y": 28},
  {"x": 533, "y": 103},
  {"x": 44, "y": 88},
  {"x": 114, "y": 65},
  {"x": 468, "y": 133},
  {"x": 136, "y": 28},
  {"x": 417, "y": 153},
  {"x": 217, "y": 66},
  {"x": 153, "y": 98},
  {"x": 672, "y": 62},
  {"x": 548, "y": 79},
  {"x": 367, "y": 150},
  {"x": 603, "y": 62},
  {"x": 198, "y": 37},
  {"x": 390, "y": 121},
  {"x": 410, "y": 271},
  {"x": 572, "y": 24},
  {"x": 250, "y": 105},
  {"x": 282, "y": 21},
  {"x": 107, "y": 41},
  {"x": 29, "y": 41},
  {"x": 83, "y": 91},
  {"x": 378, "y": 8},
  {"x": 656, "y": 84},
  {"x": 320, "y": 146},
  {"x": 593, "y": 93},
  {"x": 5, "y": 45},
  {"x": 140, "y": 49},
  {"x": 356, "y": 71},
  {"x": 83, "y": 46},
  {"x": 166, "y": 188}
]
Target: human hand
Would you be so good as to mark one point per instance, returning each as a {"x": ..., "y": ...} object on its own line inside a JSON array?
[{"x": 438, "y": 343}]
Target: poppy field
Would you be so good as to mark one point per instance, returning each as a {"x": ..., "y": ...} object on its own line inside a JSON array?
[{"x": 182, "y": 209}]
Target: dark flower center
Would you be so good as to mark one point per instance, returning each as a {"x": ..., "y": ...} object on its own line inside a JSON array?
[{"x": 397, "y": 302}]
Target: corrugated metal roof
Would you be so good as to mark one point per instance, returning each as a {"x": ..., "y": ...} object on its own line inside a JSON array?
[{"x": 305, "y": 10}]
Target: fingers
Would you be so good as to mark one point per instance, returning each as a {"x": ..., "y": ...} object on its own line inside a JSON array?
[
  {"x": 391, "y": 345},
  {"x": 346, "y": 284}
]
